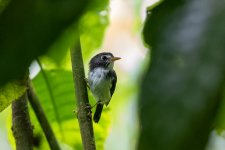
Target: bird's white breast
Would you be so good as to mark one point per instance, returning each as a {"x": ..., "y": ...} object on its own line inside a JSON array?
[{"x": 99, "y": 84}]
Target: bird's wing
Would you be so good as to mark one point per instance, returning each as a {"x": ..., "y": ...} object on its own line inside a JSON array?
[
  {"x": 112, "y": 76},
  {"x": 113, "y": 82}
]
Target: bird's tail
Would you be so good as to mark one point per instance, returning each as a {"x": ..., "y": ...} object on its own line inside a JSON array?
[{"x": 98, "y": 112}]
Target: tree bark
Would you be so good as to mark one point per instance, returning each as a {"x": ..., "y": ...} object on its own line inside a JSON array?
[
  {"x": 84, "y": 117},
  {"x": 43, "y": 121},
  {"x": 21, "y": 125}
]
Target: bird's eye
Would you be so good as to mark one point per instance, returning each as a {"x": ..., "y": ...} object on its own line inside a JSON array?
[{"x": 103, "y": 57}]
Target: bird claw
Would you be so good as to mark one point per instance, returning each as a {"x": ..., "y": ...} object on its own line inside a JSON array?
[
  {"x": 88, "y": 107},
  {"x": 89, "y": 114}
]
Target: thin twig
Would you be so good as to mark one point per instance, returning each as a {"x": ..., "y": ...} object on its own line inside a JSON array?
[
  {"x": 43, "y": 121},
  {"x": 51, "y": 98}
]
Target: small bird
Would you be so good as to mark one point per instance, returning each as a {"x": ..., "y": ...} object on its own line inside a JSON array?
[{"x": 102, "y": 80}]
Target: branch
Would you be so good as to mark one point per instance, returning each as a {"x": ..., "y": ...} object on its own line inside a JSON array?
[
  {"x": 39, "y": 112},
  {"x": 85, "y": 121},
  {"x": 21, "y": 126}
]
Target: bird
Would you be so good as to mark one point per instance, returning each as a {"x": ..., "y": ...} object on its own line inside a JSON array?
[{"x": 102, "y": 80}]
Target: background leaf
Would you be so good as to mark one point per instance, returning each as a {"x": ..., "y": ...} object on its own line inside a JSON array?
[
  {"x": 184, "y": 83},
  {"x": 92, "y": 26},
  {"x": 60, "y": 114}
]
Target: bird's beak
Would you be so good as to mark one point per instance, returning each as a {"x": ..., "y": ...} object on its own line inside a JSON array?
[{"x": 115, "y": 58}]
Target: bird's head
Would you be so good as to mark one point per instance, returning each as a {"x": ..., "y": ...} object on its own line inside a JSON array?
[{"x": 104, "y": 60}]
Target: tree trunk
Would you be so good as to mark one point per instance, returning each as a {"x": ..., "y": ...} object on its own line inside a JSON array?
[{"x": 21, "y": 125}]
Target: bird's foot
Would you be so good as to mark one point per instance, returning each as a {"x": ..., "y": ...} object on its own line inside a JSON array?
[{"x": 89, "y": 107}]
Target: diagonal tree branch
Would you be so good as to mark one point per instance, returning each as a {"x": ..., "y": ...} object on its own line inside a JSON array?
[
  {"x": 34, "y": 101},
  {"x": 56, "y": 112},
  {"x": 85, "y": 121}
]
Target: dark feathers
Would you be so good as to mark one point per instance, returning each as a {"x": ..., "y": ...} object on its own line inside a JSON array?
[
  {"x": 113, "y": 77},
  {"x": 96, "y": 61},
  {"x": 98, "y": 112},
  {"x": 101, "y": 71}
]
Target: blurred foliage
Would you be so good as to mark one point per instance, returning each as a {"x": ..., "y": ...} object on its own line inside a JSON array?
[
  {"x": 93, "y": 25},
  {"x": 48, "y": 29},
  {"x": 29, "y": 28},
  {"x": 11, "y": 91},
  {"x": 59, "y": 109},
  {"x": 91, "y": 30},
  {"x": 3, "y": 4},
  {"x": 184, "y": 83},
  {"x": 220, "y": 121}
]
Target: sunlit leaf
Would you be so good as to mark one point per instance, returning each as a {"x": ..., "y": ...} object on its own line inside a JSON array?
[
  {"x": 184, "y": 83},
  {"x": 61, "y": 106},
  {"x": 10, "y": 92}
]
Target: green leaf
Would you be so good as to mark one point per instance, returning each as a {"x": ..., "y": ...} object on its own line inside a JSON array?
[
  {"x": 92, "y": 26},
  {"x": 29, "y": 28},
  {"x": 60, "y": 106},
  {"x": 55, "y": 90},
  {"x": 184, "y": 83},
  {"x": 10, "y": 92},
  {"x": 91, "y": 30}
]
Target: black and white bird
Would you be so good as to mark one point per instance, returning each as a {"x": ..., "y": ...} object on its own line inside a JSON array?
[{"x": 102, "y": 80}]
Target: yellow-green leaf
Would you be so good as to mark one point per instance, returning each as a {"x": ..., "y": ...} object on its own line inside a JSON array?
[{"x": 10, "y": 92}]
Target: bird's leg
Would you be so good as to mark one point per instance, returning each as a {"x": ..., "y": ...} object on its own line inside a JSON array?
[
  {"x": 86, "y": 80},
  {"x": 94, "y": 105},
  {"x": 89, "y": 108}
]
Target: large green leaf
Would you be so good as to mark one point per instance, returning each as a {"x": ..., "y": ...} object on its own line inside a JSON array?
[
  {"x": 28, "y": 29},
  {"x": 58, "y": 101},
  {"x": 184, "y": 83},
  {"x": 10, "y": 92}
]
